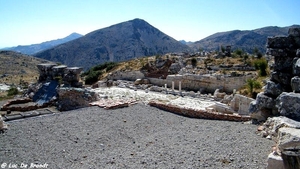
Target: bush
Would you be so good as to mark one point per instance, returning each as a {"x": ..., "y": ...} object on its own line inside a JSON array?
[
  {"x": 92, "y": 77},
  {"x": 253, "y": 84},
  {"x": 194, "y": 62},
  {"x": 261, "y": 65},
  {"x": 93, "y": 74},
  {"x": 12, "y": 91}
]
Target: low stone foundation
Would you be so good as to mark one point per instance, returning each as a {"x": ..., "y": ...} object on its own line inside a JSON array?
[{"x": 189, "y": 112}]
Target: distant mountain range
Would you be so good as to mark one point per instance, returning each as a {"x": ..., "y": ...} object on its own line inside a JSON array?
[
  {"x": 246, "y": 40},
  {"x": 124, "y": 41},
  {"x": 137, "y": 38},
  {"x": 34, "y": 48}
]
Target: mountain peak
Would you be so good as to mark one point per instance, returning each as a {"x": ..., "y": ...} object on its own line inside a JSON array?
[{"x": 120, "y": 42}]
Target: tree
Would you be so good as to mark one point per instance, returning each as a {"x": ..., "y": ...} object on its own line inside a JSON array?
[
  {"x": 239, "y": 52},
  {"x": 194, "y": 62}
]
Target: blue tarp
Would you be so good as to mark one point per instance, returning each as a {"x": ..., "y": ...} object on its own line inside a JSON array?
[{"x": 45, "y": 94}]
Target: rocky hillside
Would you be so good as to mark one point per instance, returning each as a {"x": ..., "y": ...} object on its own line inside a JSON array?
[
  {"x": 16, "y": 66},
  {"x": 124, "y": 41},
  {"x": 246, "y": 40},
  {"x": 34, "y": 48}
]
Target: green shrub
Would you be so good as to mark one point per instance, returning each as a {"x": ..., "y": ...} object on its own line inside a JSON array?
[
  {"x": 261, "y": 65},
  {"x": 92, "y": 77},
  {"x": 194, "y": 62},
  {"x": 253, "y": 84},
  {"x": 12, "y": 91}
]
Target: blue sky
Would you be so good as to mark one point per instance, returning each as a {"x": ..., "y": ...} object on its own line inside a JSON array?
[{"x": 24, "y": 22}]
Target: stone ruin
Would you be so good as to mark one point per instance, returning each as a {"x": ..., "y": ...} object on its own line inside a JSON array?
[
  {"x": 68, "y": 76},
  {"x": 279, "y": 104},
  {"x": 281, "y": 94},
  {"x": 58, "y": 85}
]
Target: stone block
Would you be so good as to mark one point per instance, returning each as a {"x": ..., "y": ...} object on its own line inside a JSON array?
[
  {"x": 275, "y": 161},
  {"x": 289, "y": 105},
  {"x": 296, "y": 66},
  {"x": 282, "y": 78},
  {"x": 276, "y": 52},
  {"x": 284, "y": 64},
  {"x": 288, "y": 137},
  {"x": 295, "y": 83},
  {"x": 295, "y": 32},
  {"x": 264, "y": 101},
  {"x": 74, "y": 70},
  {"x": 272, "y": 89},
  {"x": 279, "y": 42}
]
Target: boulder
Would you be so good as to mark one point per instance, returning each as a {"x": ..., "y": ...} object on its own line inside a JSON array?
[
  {"x": 289, "y": 105},
  {"x": 296, "y": 66},
  {"x": 273, "y": 89},
  {"x": 288, "y": 137},
  {"x": 295, "y": 83},
  {"x": 174, "y": 68},
  {"x": 264, "y": 101},
  {"x": 275, "y": 161},
  {"x": 74, "y": 98},
  {"x": 138, "y": 82}
]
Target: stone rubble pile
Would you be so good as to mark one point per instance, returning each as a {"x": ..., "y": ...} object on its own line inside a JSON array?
[
  {"x": 285, "y": 132},
  {"x": 277, "y": 98}
]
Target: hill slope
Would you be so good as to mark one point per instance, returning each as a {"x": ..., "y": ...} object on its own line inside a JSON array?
[
  {"x": 246, "y": 40},
  {"x": 34, "y": 48},
  {"x": 120, "y": 42},
  {"x": 15, "y": 66}
]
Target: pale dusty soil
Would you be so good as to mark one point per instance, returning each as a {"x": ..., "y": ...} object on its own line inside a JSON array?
[{"x": 135, "y": 137}]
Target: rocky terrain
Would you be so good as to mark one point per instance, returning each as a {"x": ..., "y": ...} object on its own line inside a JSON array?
[{"x": 16, "y": 66}]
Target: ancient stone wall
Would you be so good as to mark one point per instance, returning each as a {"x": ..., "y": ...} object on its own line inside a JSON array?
[
  {"x": 65, "y": 75},
  {"x": 276, "y": 100},
  {"x": 203, "y": 83}
]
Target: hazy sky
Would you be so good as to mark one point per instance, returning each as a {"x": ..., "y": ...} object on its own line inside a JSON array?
[{"x": 24, "y": 22}]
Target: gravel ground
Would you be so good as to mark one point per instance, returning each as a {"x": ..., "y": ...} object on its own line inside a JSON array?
[{"x": 139, "y": 136}]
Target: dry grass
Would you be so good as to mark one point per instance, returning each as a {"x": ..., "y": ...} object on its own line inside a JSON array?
[{"x": 16, "y": 67}]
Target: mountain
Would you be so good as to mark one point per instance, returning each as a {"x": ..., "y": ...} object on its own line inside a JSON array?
[
  {"x": 124, "y": 41},
  {"x": 185, "y": 42},
  {"x": 246, "y": 40},
  {"x": 34, "y": 48}
]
